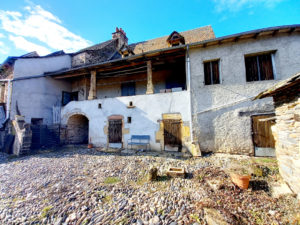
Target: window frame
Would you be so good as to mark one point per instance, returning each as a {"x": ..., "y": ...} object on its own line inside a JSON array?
[
  {"x": 211, "y": 71},
  {"x": 256, "y": 55}
]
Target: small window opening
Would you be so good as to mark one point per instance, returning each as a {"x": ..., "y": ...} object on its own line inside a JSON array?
[
  {"x": 130, "y": 103},
  {"x": 259, "y": 67},
  {"x": 99, "y": 106},
  {"x": 36, "y": 121},
  {"x": 211, "y": 72},
  {"x": 129, "y": 119}
]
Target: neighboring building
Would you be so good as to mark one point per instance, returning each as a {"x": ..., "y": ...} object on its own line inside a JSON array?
[
  {"x": 286, "y": 96},
  {"x": 183, "y": 90}
]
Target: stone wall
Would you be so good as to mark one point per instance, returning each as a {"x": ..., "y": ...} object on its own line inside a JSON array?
[
  {"x": 287, "y": 136},
  {"x": 77, "y": 129}
]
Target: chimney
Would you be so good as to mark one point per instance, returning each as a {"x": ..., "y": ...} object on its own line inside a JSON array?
[{"x": 121, "y": 36}]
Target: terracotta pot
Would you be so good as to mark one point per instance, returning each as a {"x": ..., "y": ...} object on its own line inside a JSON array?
[
  {"x": 90, "y": 145},
  {"x": 242, "y": 181}
]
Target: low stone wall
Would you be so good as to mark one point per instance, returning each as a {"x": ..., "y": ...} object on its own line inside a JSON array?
[{"x": 287, "y": 136}]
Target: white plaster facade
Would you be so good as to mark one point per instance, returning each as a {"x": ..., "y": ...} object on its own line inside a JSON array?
[
  {"x": 221, "y": 112},
  {"x": 145, "y": 115},
  {"x": 37, "y": 95}
]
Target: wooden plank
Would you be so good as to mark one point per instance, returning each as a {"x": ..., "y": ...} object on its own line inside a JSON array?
[
  {"x": 262, "y": 133},
  {"x": 172, "y": 132},
  {"x": 115, "y": 131}
]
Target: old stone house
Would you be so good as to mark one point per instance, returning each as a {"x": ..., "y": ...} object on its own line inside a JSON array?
[
  {"x": 185, "y": 90},
  {"x": 286, "y": 95}
]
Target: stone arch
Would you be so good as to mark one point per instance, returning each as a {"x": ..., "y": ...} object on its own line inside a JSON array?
[{"x": 77, "y": 129}]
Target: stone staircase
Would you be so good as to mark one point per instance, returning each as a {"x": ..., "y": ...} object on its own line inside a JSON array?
[{"x": 23, "y": 136}]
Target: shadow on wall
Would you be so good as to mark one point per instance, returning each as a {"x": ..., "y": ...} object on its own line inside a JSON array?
[{"x": 228, "y": 129}]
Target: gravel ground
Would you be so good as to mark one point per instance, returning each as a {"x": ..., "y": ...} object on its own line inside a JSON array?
[{"x": 81, "y": 186}]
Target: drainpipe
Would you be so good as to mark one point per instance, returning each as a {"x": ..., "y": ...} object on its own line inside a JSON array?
[{"x": 188, "y": 70}]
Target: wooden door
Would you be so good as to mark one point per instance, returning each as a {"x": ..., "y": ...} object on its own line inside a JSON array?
[
  {"x": 262, "y": 133},
  {"x": 115, "y": 131},
  {"x": 172, "y": 132}
]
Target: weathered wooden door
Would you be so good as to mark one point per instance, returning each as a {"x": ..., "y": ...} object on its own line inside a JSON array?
[
  {"x": 262, "y": 133},
  {"x": 172, "y": 132},
  {"x": 115, "y": 131}
]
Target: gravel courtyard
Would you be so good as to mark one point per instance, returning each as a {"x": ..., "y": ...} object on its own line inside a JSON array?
[{"x": 83, "y": 186}]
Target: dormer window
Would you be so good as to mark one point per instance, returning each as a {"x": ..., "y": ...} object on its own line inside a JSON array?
[
  {"x": 126, "y": 51},
  {"x": 175, "y": 39}
]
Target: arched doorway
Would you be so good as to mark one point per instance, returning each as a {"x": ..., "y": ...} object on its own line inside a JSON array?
[{"x": 78, "y": 129}]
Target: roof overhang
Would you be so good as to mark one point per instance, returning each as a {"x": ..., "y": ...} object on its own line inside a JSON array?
[{"x": 293, "y": 81}]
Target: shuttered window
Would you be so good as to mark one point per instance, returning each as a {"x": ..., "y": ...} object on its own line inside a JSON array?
[
  {"x": 211, "y": 72},
  {"x": 128, "y": 89},
  {"x": 259, "y": 67}
]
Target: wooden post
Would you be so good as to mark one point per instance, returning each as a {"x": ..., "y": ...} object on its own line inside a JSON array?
[
  {"x": 150, "y": 89},
  {"x": 93, "y": 86}
]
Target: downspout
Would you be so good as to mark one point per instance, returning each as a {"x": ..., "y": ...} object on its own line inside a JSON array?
[
  {"x": 8, "y": 105},
  {"x": 188, "y": 70}
]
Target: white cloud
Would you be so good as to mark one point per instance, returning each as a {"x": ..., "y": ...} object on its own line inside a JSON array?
[
  {"x": 3, "y": 48},
  {"x": 236, "y": 5},
  {"x": 2, "y": 35},
  {"x": 37, "y": 23},
  {"x": 22, "y": 43}
]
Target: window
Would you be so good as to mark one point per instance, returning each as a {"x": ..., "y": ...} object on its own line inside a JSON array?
[
  {"x": 129, "y": 119},
  {"x": 36, "y": 121},
  {"x": 128, "y": 89},
  {"x": 68, "y": 97},
  {"x": 259, "y": 67},
  {"x": 211, "y": 72}
]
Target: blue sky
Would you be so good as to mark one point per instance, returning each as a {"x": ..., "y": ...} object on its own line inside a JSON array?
[{"x": 47, "y": 26}]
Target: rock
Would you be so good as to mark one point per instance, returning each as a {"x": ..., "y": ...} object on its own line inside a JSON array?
[
  {"x": 139, "y": 222},
  {"x": 152, "y": 175},
  {"x": 214, "y": 217}
]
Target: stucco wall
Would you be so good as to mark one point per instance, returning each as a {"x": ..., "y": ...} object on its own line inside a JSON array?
[
  {"x": 25, "y": 67},
  {"x": 37, "y": 96},
  {"x": 221, "y": 112},
  {"x": 145, "y": 115}
]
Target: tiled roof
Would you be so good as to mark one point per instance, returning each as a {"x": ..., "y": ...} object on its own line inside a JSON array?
[
  {"x": 97, "y": 46},
  {"x": 190, "y": 36},
  {"x": 293, "y": 80}
]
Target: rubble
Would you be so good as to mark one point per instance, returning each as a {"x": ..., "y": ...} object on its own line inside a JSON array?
[{"x": 86, "y": 186}]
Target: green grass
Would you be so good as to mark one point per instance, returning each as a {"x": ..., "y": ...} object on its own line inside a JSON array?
[
  {"x": 265, "y": 160},
  {"x": 111, "y": 180},
  {"x": 46, "y": 211}
]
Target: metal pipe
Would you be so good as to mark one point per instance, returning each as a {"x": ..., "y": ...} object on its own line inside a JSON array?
[
  {"x": 188, "y": 69},
  {"x": 8, "y": 100}
]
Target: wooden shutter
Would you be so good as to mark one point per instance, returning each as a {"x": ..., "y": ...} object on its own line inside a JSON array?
[
  {"x": 215, "y": 71},
  {"x": 207, "y": 73},
  {"x": 251, "y": 68},
  {"x": 66, "y": 97},
  {"x": 128, "y": 89},
  {"x": 265, "y": 65}
]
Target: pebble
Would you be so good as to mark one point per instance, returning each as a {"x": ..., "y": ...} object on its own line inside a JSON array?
[{"x": 74, "y": 186}]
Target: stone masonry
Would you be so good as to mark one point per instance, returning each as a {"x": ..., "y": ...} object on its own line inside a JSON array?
[{"x": 287, "y": 136}]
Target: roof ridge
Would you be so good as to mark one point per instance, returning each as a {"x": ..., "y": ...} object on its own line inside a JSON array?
[{"x": 180, "y": 32}]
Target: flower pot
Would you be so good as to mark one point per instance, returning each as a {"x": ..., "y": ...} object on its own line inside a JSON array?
[
  {"x": 90, "y": 145},
  {"x": 242, "y": 181}
]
